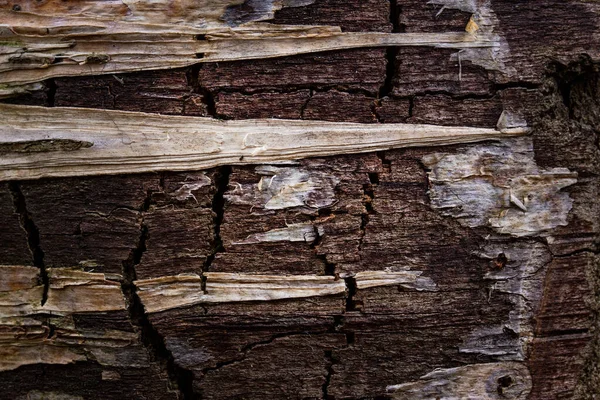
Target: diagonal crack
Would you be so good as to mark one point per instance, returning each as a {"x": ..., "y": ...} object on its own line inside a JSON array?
[
  {"x": 247, "y": 348},
  {"x": 179, "y": 378},
  {"x": 33, "y": 234}
]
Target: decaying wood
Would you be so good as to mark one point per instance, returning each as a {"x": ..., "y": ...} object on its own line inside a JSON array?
[
  {"x": 44, "y": 41},
  {"x": 27, "y": 339},
  {"x": 448, "y": 269},
  {"x": 160, "y": 294},
  {"x": 482, "y": 381},
  {"x": 164, "y": 293},
  {"x": 34, "y": 333},
  {"x": 110, "y": 142},
  {"x": 500, "y": 186}
]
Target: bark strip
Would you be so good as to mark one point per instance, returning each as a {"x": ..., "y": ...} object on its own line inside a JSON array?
[{"x": 131, "y": 142}]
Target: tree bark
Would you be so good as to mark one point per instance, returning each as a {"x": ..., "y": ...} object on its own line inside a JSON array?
[{"x": 446, "y": 269}]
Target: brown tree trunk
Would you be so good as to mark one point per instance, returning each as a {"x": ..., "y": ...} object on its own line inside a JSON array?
[{"x": 443, "y": 269}]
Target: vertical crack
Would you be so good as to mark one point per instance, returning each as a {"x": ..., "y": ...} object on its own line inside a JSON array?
[
  {"x": 179, "y": 378},
  {"x": 218, "y": 207},
  {"x": 329, "y": 266},
  {"x": 351, "y": 304},
  {"x": 391, "y": 52},
  {"x": 368, "y": 197},
  {"x": 207, "y": 97},
  {"x": 329, "y": 357},
  {"x": 33, "y": 235},
  {"x": 385, "y": 163}
]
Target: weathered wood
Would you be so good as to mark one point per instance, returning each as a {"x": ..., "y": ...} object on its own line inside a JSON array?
[
  {"x": 445, "y": 278},
  {"x": 60, "y": 42},
  {"x": 485, "y": 381},
  {"x": 34, "y": 333},
  {"x": 138, "y": 142}
]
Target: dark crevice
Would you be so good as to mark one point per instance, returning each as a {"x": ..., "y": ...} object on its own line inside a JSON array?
[
  {"x": 113, "y": 97},
  {"x": 374, "y": 110},
  {"x": 576, "y": 252},
  {"x": 350, "y": 338},
  {"x": 325, "y": 388},
  {"x": 496, "y": 87},
  {"x": 271, "y": 339},
  {"x": 180, "y": 379},
  {"x": 218, "y": 204},
  {"x": 329, "y": 267},
  {"x": 191, "y": 76},
  {"x": 338, "y": 323},
  {"x": 388, "y": 85},
  {"x": 351, "y": 304},
  {"x": 50, "y": 92},
  {"x": 33, "y": 235},
  {"x": 374, "y": 178},
  {"x": 385, "y": 163},
  {"x": 338, "y": 326},
  {"x": 51, "y": 328},
  {"x": 504, "y": 382},
  {"x": 218, "y": 208},
  {"x": 455, "y": 96},
  {"x": 574, "y": 76},
  {"x": 207, "y": 96},
  {"x": 147, "y": 201},
  {"x": 368, "y": 197},
  {"x": 471, "y": 96},
  {"x": 411, "y": 106},
  {"x": 391, "y": 52},
  {"x": 564, "y": 332}
]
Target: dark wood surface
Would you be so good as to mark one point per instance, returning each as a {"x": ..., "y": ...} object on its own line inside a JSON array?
[{"x": 370, "y": 212}]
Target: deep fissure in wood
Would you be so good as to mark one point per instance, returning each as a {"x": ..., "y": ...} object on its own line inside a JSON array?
[
  {"x": 180, "y": 378},
  {"x": 33, "y": 235}
]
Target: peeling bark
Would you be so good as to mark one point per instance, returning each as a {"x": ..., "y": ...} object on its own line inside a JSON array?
[{"x": 136, "y": 142}]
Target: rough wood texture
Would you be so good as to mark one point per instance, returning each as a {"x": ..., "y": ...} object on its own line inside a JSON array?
[
  {"x": 455, "y": 271},
  {"x": 37, "y": 46},
  {"x": 80, "y": 324},
  {"x": 137, "y": 142}
]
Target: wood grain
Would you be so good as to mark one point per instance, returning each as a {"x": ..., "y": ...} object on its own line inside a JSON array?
[{"x": 137, "y": 142}]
